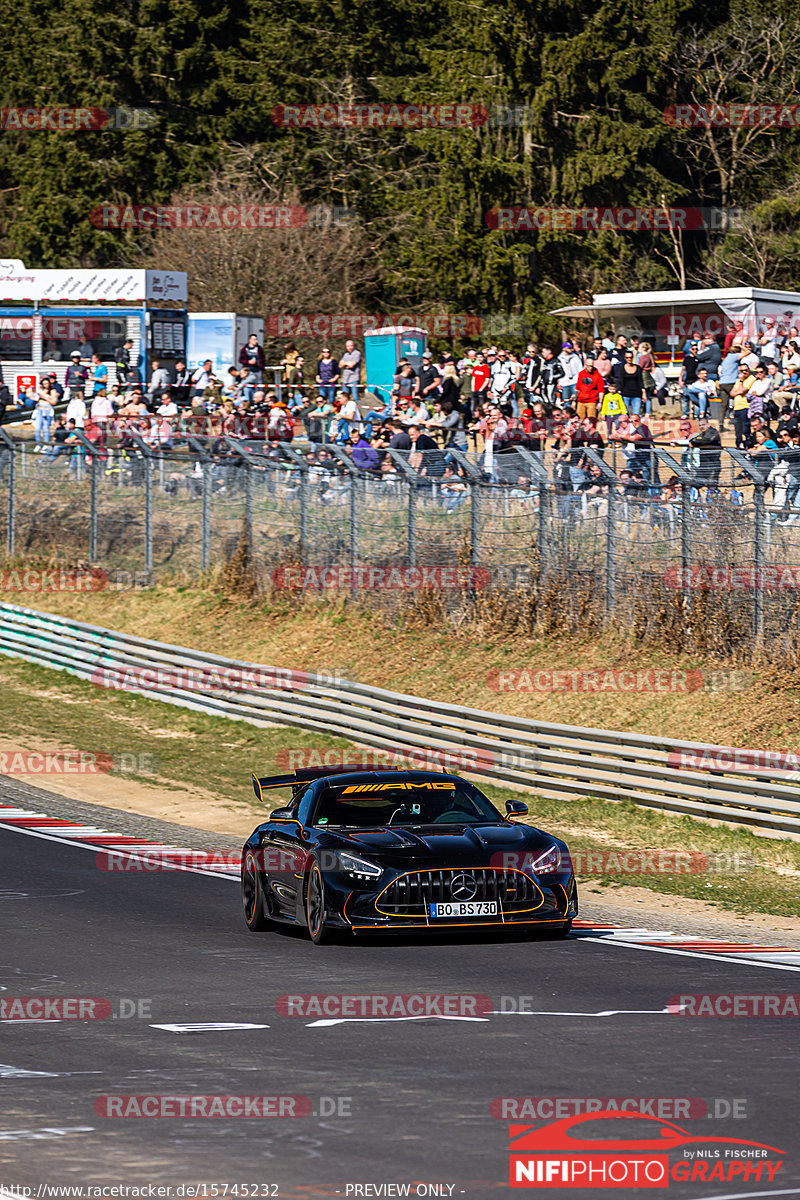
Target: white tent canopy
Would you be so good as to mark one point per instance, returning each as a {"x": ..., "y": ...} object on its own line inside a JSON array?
[{"x": 635, "y": 311}]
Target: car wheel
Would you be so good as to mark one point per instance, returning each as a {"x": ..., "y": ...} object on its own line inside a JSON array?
[
  {"x": 315, "y": 907},
  {"x": 253, "y": 903}
]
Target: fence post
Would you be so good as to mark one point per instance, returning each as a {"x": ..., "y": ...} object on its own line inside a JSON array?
[
  {"x": 411, "y": 553},
  {"x": 475, "y": 520},
  {"x": 686, "y": 541},
  {"x": 8, "y": 447},
  {"x": 304, "y": 514},
  {"x": 248, "y": 506},
  {"x": 148, "y": 514},
  {"x": 353, "y": 531},
  {"x": 199, "y": 448},
  {"x": 747, "y": 467},
  {"x": 93, "y": 510},
  {"x": 205, "y": 518},
  {"x": 541, "y": 532},
  {"x": 759, "y": 517},
  {"x": 611, "y": 550},
  {"x": 147, "y": 455},
  {"x": 92, "y": 452}
]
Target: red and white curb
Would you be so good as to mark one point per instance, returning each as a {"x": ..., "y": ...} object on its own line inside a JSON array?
[
  {"x": 135, "y": 854},
  {"x": 139, "y": 852}
]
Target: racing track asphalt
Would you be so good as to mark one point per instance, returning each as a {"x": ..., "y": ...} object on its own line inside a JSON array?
[{"x": 420, "y": 1090}]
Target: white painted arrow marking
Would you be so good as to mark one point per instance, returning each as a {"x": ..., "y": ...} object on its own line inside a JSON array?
[{"x": 207, "y": 1026}]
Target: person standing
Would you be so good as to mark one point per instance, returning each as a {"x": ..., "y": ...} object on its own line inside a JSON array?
[
  {"x": 430, "y": 379},
  {"x": 728, "y": 375},
  {"x": 182, "y": 386},
  {"x": 327, "y": 375},
  {"x": 631, "y": 384},
  {"x": 159, "y": 380},
  {"x": 571, "y": 364},
  {"x": 76, "y": 409},
  {"x": 481, "y": 374},
  {"x": 203, "y": 378},
  {"x": 589, "y": 389},
  {"x": 252, "y": 362},
  {"x": 551, "y": 376},
  {"x": 122, "y": 360},
  {"x": 646, "y": 362},
  {"x": 687, "y": 377},
  {"x": 531, "y": 372},
  {"x": 739, "y": 390},
  {"x": 43, "y": 415},
  {"x": 99, "y": 375},
  {"x": 350, "y": 367},
  {"x": 76, "y": 377},
  {"x": 710, "y": 357}
]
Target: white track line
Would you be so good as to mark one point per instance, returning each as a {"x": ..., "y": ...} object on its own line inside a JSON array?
[
  {"x": 133, "y": 853},
  {"x": 750, "y": 962}
]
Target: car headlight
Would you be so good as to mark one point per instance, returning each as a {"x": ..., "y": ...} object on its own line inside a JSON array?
[
  {"x": 359, "y": 868},
  {"x": 546, "y": 863}
]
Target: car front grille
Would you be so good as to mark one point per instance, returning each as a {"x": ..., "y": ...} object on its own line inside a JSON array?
[{"x": 410, "y": 894}]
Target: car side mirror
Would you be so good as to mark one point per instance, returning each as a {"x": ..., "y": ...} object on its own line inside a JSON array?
[
  {"x": 281, "y": 814},
  {"x": 516, "y": 808}
]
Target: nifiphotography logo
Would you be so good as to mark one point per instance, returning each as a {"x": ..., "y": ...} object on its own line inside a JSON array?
[{"x": 604, "y": 1150}]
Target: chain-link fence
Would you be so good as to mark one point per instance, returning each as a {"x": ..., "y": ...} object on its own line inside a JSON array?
[{"x": 318, "y": 517}]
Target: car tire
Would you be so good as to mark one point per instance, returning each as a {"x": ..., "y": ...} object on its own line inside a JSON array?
[
  {"x": 253, "y": 899},
  {"x": 318, "y": 929}
]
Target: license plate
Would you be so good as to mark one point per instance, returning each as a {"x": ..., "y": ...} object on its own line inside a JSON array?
[{"x": 465, "y": 908}]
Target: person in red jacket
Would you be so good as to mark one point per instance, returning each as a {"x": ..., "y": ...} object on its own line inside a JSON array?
[{"x": 589, "y": 388}]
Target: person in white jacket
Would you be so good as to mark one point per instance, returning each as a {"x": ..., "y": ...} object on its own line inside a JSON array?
[
  {"x": 76, "y": 411},
  {"x": 572, "y": 363}
]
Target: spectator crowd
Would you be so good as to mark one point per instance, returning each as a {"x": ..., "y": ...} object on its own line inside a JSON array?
[{"x": 571, "y": 401}]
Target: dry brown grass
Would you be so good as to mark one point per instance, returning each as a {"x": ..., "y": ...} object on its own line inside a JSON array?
[{"x": 452, "y": 650}]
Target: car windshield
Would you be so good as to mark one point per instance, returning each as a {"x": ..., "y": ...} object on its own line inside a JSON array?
[{"x": 415, "y": 802}]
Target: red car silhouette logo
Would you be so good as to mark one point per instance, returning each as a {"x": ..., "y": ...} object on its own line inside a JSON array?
[{"x": 558, "y": 1136}]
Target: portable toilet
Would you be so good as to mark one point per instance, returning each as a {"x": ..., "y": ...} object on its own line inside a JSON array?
[{"x": 383, "y": 349}]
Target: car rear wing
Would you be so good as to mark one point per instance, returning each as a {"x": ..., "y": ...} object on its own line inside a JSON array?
[{"x": 301, "y": 777}]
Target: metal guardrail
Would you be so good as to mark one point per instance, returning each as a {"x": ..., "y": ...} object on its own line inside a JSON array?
[{"x": 557, "y": 761}]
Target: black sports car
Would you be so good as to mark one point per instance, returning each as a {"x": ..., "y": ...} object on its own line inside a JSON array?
[{"x": 360, "y": 851}]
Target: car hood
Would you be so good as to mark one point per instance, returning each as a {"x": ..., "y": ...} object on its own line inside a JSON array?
[{"x": 440, "y": 843}]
